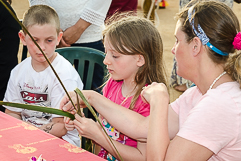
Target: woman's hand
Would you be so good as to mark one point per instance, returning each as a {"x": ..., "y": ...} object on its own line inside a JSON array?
[
  {"x": 62, "y": 43},
  {"x": 73, "y": 33},
  {"x": 153, "y": 92}
]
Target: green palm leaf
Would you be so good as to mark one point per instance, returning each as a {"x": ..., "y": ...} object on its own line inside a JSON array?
[
  {"x": 39, "y": 108},
  {"x": 94, "y": 114}
]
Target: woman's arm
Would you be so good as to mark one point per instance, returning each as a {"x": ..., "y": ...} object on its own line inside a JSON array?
[
  {"x": 158, "y": 138},
  {"x": 186, "y": 150},
  {"x": 159, "y": 146},
  {"x": 94, "y": 13},
  {"x": 127, "y": 121},
  {"x": 73, "y": 33}
]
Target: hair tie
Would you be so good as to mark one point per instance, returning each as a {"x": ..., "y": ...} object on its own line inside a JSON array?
[
  {"x": 201, "y": 34},
  {"x": 237, "y": 41}
]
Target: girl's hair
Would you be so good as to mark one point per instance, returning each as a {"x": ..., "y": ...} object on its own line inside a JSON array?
[
  {"x": 41, "y": 15},
  {"x": 134, "y": 35},
  {"x": 221, "y": 26}
]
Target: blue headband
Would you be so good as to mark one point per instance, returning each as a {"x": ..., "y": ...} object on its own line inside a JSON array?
[{"x": 201, "y": 34}]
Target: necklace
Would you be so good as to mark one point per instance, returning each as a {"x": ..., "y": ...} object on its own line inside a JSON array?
[
  {"x": 126, "y": 96},
  {"x": 217, "y": 79},
  {"x": 125, "y": 99}
]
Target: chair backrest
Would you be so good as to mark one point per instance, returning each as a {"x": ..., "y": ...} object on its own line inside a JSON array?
[{"x": 79, "y": 56}]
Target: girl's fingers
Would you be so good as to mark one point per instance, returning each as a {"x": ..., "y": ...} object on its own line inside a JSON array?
[
  {"x": 66, "y": 120},
  {"x": 66, "y": 104},
  {"x": 77, "y": 117}
]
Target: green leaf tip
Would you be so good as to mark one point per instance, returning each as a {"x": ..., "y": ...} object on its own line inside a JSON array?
[{"x": 39, "y": 108}]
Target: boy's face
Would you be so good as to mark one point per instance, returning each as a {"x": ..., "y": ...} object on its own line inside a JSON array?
[{"x": 47, "y": 38}]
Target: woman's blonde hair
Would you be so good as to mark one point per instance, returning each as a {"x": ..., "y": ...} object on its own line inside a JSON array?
[{"x": 134, "y": 35}]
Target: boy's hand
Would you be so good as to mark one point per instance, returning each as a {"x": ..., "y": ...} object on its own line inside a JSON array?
[{"x": 55, "y": 127}]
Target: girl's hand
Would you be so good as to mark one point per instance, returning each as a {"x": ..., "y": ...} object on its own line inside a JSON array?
[
  {"x": 66, "y": 104},
  {"x": 69, "y": 124},
  {"x": 87, "y": 127},
  {"x": 153, "y": 92}
]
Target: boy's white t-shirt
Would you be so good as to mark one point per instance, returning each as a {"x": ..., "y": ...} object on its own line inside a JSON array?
[
  {"x": 212, "y": 120},
  {"x": 42, "y": 88}
]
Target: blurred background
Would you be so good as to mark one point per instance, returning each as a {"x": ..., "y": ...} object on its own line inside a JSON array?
[{"x": 166, "y": 27}]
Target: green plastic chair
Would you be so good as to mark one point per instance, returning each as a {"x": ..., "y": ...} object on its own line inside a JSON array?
[{"x": 78, "y": 56}]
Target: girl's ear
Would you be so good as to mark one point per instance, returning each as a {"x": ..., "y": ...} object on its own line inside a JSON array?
[
  {"x": 197, "y": 44},
  {"x": 59, "y": 37},
  {"x": 22, "y": 35},
  {"x": 141, "y": 60}
]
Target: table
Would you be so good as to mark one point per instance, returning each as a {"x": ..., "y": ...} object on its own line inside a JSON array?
[{"x": 20, "y": 141}]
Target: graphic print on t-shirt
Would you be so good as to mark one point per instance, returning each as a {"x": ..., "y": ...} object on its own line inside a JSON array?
[
  {"x": 33, "y": 97},
  {"x": 114, "y": 134},
  {"x": 38, "y": 96}
]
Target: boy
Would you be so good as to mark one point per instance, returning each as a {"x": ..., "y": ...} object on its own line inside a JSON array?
[{"x": 33, "y": 81}]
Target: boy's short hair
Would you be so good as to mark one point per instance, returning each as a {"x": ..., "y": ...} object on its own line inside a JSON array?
[{"x": 40, "y": 15}]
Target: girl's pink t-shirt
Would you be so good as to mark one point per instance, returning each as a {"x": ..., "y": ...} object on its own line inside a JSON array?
[{"x": 112, "y": 91}]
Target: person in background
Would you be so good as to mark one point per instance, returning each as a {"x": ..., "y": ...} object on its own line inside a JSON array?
[
  {"x": 204, "y": 122},
  {"x": 9, "y": 45},
  {"x": 33, "y": 82},
  {"x": 183, "y": 3},
  {"x": 119, "y": 6},
  {"x": 134, "y": 59}
]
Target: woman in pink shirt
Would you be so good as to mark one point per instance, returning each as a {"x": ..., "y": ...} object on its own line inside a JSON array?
[{"x": 204, "y": 123}]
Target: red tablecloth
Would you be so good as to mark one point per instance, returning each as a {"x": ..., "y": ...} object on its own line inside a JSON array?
[{"x": 20, "y": 141}]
